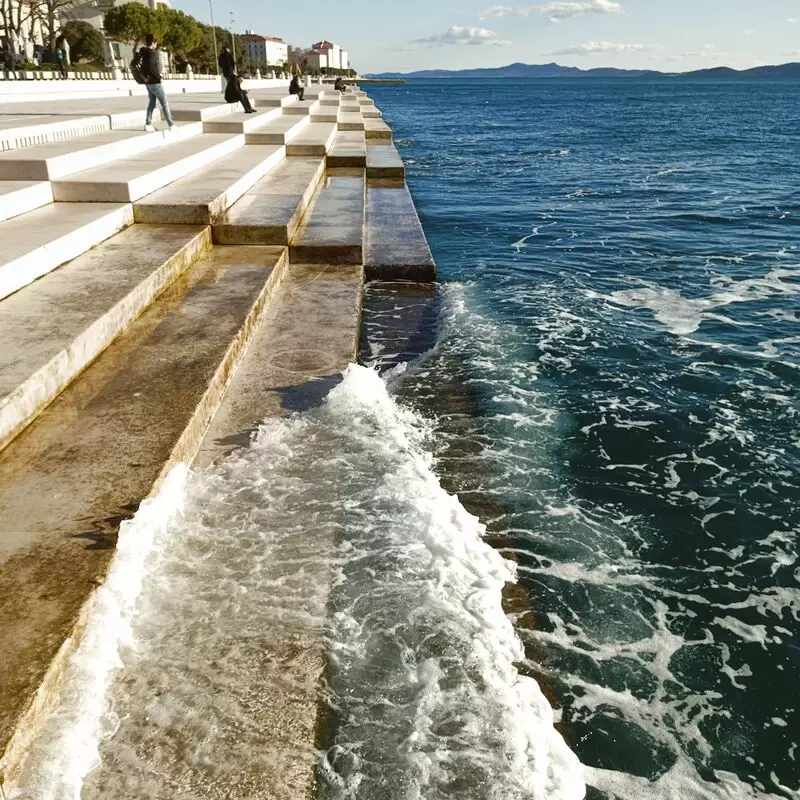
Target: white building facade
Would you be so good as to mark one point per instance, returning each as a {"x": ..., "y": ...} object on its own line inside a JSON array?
[{"x": 268, "y": 50}]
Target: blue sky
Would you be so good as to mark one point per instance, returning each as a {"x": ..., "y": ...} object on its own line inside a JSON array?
[{"x": 404, "y": 35}]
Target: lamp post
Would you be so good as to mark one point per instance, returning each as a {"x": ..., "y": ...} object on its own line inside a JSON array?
[
  {"x": 233, "y": 43},
  {"x": 214, "y": 34}
]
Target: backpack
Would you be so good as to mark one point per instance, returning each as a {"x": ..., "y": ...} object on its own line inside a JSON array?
[{"x": 136, "y": 67}]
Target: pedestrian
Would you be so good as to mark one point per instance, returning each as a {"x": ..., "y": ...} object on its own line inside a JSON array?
[
  {"x": 295, "y": 87},
  {"x": 62, "y": 56},
  {"x": 227, "y": 63},
  {"x": 235, "y": 94},
  {"x": 151, "y": 71}
]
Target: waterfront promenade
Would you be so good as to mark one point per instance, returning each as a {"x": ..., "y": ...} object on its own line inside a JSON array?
[{"x": 161, "y": 293}]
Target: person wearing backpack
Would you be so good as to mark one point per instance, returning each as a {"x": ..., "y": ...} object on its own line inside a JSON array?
[{"x": 146, "y": 64}]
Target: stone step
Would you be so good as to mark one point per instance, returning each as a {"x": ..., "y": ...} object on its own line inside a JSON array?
[
  {"x": 25, "y": 129},
  {"x": 241, "y": 122},
  {"x": 300, "y": 107},
  {"x": 202, "y": 196},
  {"x": 53, "y": 160},
  {"x": 133, "y": 178},
  {"x": 41, "y": 240},
  {"x": 350, "y": 121},
  {"x": 377, "y": 129},
  {"x": 349, "y": 149},
  {"x": 271, "y": 212},
  {"x": 395, "y": 244},
  {"x": 321, "y": 113},
  {"x": 94, "y": 298},
  {"x": 313, "y": 140},
  {"x": 383, "y": 160},
  {"x": 280, "y": 130},
  {"x": 102, "y": 447},
  {"x": 196, "y": 110},
  {"x": 19, "y": 197},
  {"x": 333, "y": 229}
]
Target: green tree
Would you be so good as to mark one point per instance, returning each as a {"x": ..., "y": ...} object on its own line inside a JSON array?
[
  {"x": 85, "y": 42},
  {"x": 130, "y": 23},
  {"x": 177, "y": 32}
]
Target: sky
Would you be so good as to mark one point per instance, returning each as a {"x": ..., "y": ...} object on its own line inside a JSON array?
[{"x": 407, "y": 35}]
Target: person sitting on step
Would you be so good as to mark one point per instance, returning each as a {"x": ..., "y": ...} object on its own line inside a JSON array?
[
  {"x": 235, "y": 94},
  {"x": 295, "y": 87}
]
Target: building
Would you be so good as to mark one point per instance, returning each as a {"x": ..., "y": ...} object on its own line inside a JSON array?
[
  {"x": 317, "y": 60},
  {"x": 333, "y": 52},
  {"x": 265, "y": 50}
]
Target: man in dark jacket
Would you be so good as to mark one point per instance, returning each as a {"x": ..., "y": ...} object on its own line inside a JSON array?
[
  {"x": 295, "y": 87},
  {"x": 152, "y": 72},
  {"x": 226, "y": 63},
  {"x": 235, "y": 94}
]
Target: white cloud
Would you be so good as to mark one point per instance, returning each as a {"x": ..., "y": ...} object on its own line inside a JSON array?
[
  {"x": 459, "y": 35},
  {"x": 596, "y": 48},
  {"x": 792, "y": 21},
  {"x": 556, "y": 11}
]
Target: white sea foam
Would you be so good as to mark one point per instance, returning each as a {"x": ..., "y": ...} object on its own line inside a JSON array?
[{"x": 66, "y": 748}]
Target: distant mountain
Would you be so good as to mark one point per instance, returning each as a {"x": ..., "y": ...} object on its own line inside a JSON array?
[{"x": 557, "y": 71}]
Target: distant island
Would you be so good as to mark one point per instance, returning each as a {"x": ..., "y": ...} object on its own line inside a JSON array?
[{"x": 557, "y": 71}]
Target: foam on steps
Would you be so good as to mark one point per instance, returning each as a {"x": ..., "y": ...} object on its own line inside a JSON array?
[{"x": 102, "y": 447}]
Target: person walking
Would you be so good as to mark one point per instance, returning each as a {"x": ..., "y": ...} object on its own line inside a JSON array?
[
  {"x": 62, "y": 56},
  {"x": 295, "y": 87},
  {"x": 227, "y": 64},
  {"x": 148, "y": 61}
]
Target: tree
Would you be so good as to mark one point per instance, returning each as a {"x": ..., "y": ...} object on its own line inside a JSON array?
[
  {"x": 14, "y": 16},
  {"x": 86, "y": 43},
  {"x": 129, "y": 23},
  {"x": 177, "y": 32},
  {"x": 49, "y": 14}
]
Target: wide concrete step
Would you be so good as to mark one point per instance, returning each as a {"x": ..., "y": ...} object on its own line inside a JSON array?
[
  {"x": 20, "y": 197},
  {"x": 279, "y": 130},
  {"x": 383, "y": 160},
  {"x": 377, "y": 129},
  {"x": 132, "y": 178},
  {"x": 93, "y": 298},
  {"x": 300, "y": 107},
  {"x": 202, "y": 196},
  {"x": 395, "y": 246},
  {"x": 313, "y": 140},
  {"x": 349, "y": 149},
  {"x": 103, "y": 446},
  {"x": 54, "y": 160},
  {"x": 271, "y": 212},
  {"x": 350, "y": 121},
  {"x": 193, "y": 109},
  {"x": 369, "y": 112},
  {"x": 241, "y": 122},
  {"x": 320, "y": 113},
  {"x": 38, "y": 242},
  {"x": 24, "y": 129},
  {"x": 333, "y": 229}
]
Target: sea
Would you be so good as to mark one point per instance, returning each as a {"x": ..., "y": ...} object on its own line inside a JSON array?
[{"x": 547, "y": 528}]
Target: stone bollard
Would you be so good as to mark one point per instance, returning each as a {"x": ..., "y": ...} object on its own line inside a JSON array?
[
  {"x": 117, "y": 73},
  {"x": 307, "y": 80},
  {"x": 189, "y": 73}
]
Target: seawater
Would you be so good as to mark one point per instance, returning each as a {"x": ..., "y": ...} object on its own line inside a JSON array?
[
  {"x": 620, "y": 305},
  {"x": 602, "y": 408}
]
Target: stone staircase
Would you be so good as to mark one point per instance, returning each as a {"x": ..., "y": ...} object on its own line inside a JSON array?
[{"x": 137, "y": 272}]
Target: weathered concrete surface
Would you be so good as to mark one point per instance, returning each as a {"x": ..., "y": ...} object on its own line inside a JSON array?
[
  {"x": 100, "y": 449},
  {"x": 53, "y": 328},
  {"x": 271, "y": 212},
  {"x": 349, "y": 149},
  {"x": 240, "y": 122},
  {"x": 202, "y": 196},
  {"x": 314, "y": 139},
  {"x": 36, "y": 243},
  {"x": 383, "y": 160},
  {"x": 277, "y": 131},
  {"x": 308, "y": 337},
  {"x": 128, "y": 180},
  {"x": 377, "y": 129},
  {"x": 395, "y": 246},
  {"x": 333, "y": 229}
]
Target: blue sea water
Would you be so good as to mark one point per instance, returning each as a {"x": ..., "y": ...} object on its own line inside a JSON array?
[{"x": 615, "y": 391}]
